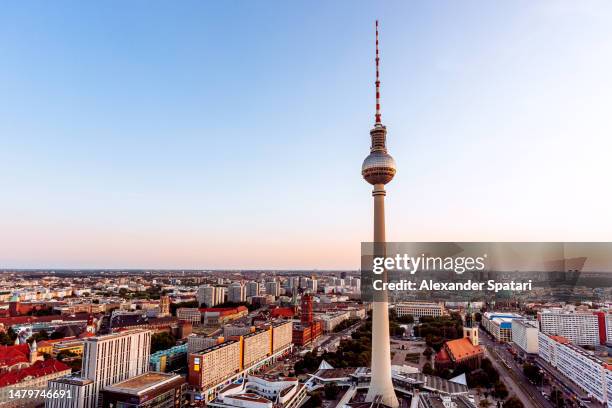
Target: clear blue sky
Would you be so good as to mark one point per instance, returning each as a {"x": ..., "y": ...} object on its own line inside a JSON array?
[{"x": 231, "y": 134}]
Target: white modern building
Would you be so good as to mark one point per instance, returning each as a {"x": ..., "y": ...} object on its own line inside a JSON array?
[
  {"x": 525, "y": 335},
  {"x": 583, "y": 368},
  {"x": 80, "y": 391},
  {"x": 499, "y": 325},
  {"x": 273, "y": 288},
  {"x": 236, "y": 292},
  {"x": 579, "y": 327},
  {"x": 261, "y": 392},
  {"x": 252, "y": 289},
  {"x": 107, "y": 360},
  {"x": 210, "y": 295}
]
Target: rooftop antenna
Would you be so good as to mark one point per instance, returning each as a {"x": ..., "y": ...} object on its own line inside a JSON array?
[{"x": 377, "y": 116}]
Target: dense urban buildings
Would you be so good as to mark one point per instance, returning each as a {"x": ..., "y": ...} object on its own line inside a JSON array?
[{"x": 241, "y": 349}]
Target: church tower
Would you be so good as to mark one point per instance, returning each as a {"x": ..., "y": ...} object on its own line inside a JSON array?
[{"x": 469, "y": 331}]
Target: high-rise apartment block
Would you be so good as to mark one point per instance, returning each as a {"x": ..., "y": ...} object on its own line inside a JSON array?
[
  {"x": 210, "y": 295},
  {"x": 236, "y": 292},
  {"x": 583, "y": 328},
  {"x": 210, "y": 368},
  {"x": 525, "y": 335},
  {"x": 107, "y": 360},
  {"x": 273, "y": 288},
  {"x": 252, "y": 289},
  {"x": 583, "y": 368},
  {"x": 215, "y": 364}
]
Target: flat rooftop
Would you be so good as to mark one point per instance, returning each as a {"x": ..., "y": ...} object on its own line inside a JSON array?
[
  {"x": 79, "y": 381},
  {"x": 141, "y": 383},
  {"x": 112, "y": 336}
]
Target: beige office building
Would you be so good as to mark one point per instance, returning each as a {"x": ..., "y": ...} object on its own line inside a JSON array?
[
  {"x": 282, "y": 335},
  {"x": 257, "y": 346},
  {"x": 213, "y": 365}
]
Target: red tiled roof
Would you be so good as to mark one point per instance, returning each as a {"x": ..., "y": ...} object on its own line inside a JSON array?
[
  {"x": 560, "y": 339},
  {"x": 38, "y": 369},
  {"x": 9, "y": 321},
  {"x": 224, "y": 311},
  {"x": 11, "y": 355},
  {"x": 463, "y": 348},
  {"x": 442, "y": 355}
]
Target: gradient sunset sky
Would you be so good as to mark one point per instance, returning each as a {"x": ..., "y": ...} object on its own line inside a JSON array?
[{"x": 200, "y": 134}]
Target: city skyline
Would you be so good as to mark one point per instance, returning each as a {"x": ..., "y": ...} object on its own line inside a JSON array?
[{"x": 149, "y": 138}]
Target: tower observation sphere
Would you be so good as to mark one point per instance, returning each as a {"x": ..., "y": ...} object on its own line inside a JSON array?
[{"x": 379, "y": 166}]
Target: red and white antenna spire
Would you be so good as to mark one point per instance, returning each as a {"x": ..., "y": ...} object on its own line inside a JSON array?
[{"x": 377, "y": 116}]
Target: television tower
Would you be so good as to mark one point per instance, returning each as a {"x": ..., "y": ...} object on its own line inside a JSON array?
[{"x": 378, "y": 169}]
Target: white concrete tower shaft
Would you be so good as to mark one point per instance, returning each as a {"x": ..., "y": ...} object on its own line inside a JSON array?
[
  {"x": 381, "y": 383},
  {"x": 378, "y": 169}
]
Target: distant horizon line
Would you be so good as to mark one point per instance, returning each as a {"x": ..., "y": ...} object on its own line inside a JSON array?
[{"x": 3, "y": 270}]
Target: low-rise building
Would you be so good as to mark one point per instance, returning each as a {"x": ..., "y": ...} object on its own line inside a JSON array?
[
  {"x": 499, "y": 325},
  {"x": 148, "y": 390},
  {"x": 261, "y": 392},
  {"x": 218, "y": 316},
  {"x": 331, "y": 320},
  {"x": 74, "y": 346},
  {"x": 305, "y": 333},
  {"x": 189, "y": 314},
  {"x": 419, "y": 309},
  {"x": 34, "y": 377},
  {"x": 169, "y": 359}
]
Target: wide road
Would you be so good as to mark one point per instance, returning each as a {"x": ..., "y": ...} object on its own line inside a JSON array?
[
  {"x": 514, "y": 379},
  {"x": 335, "y": 337}
]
